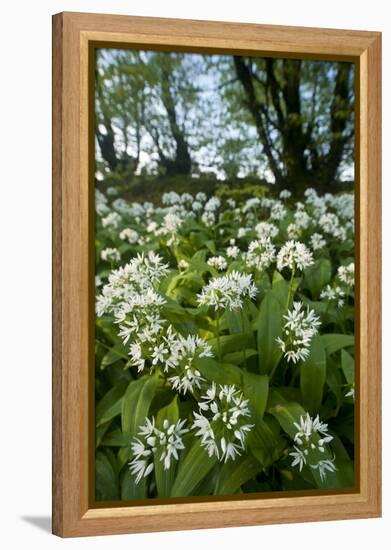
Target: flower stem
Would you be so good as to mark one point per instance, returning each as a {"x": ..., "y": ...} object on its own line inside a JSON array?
[
  {"x": 218, "y": 335},
  {"x": 243, "y": 346},
  {"x": 290, "y": 289}
]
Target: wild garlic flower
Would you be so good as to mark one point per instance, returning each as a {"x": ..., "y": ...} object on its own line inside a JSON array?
[
  {"x": 101, "y": 205},
  {"x": 98, "y": 281},
  {"x": 183, "y": 264},
  {"x": 242, "y": 232},
  {"x": 260, "y": 255},
  {"x": 112, "y": 191},
  {"x": 171, "y": 223},
  {"x": 110, "y": 255},
  {"x": 324, "y": 466},
  {"x": 266, "y": 230},
  {"x": 212, "y": 204},
  {"x": 278, "y": 211},
  {"x": 302, "y": 219},
  {"x": 183, "y": 354},
  {"x": 151, "y": 343},
  {"x": 251, "y": 203},
  {"x": 285, "y": 194},
  {"x": 113, "y": 220},
  {"x": 141, "y": 273},
  {"x": 301, "y": 325},
  {"x": 317, "y": 241},
  {"x": 351, "y": 392},
  {"x": 222, "y": 422},
  {"x": 163, "y": 444},
  {"x": 170, "y": 198},
  {"x": 310, "y": 439},
  {"x": 228, "y": 291},
  {"x": 201, "y": 197},
  {"x": 218, "y": 262},
  {"x": 233, "y": 251},
  {"x": 129, "y": 235},
  {"x": 346, "y": 274},
  {"x": 294, "y": 255},
  {"x": 330, "y": 225},
  {"x": 208, "y": 219},
  {"x": 294, "y": 232},
  {"x": 333, "y": 294},
  {"x": 231, "y": 203}
]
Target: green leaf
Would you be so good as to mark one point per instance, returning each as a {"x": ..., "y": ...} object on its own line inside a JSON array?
[
  {"x": 335, "y": 342},
  {"x": 110, "y": 404},
  {"x": 238, "y": 357},
  {"x": 317, "y": 276},
  {"x": 221, "y": 373},
  {"x": 256, "y": 390},
  {"x": 235, "y": 473},
  {"x": 231, "y": 343},
  {"x": 280, "y": 289},
  {"x": 286, "y": 413},
  {"x": 313, "y": 376},
  {"x": 130, "y": 490},
  {"x": 194, "y": 467},
  {"x": 165, "y": 478},
  {"x": 347, "y": 364},
  {"x": 264, "y": 441},
  {"x": 136, "y": 402},
  {"x": 269, "y": 327},
  {"x": 106, "y": 476}
]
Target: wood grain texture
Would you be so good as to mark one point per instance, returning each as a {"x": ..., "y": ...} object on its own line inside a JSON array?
[{"x": 73, "y": 35}]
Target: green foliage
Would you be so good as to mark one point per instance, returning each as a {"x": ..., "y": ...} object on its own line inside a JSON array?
[{"x": 142, "y": 399}]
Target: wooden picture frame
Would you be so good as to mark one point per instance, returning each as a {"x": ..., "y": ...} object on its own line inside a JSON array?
[{"x": 75, "y": 35}]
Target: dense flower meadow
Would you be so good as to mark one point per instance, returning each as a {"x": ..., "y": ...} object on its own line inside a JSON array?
[{"x": 224, "y": 345}]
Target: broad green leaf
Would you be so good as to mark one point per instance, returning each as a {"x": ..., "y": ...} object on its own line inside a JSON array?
[
  {"x": 221, "y": 373},
  {"x": 265, "y": 442},
  {"x": 110, "y": 404},
  {"x": 335, "y": 342},
  {"x": 117, "y": 438},
  {"x": 256, "y": 390},
  {"x": 235, "y": 473},
  {"x": 317, "y": 276},
  {"x": 280, "y": 289},
  {"x": 130, "y": 490},
  {"x": 238, "y": 357},
  {"x": 313, "y": 376},
  {"x": 165, "y": 478},
  {"x": 347, "y": 364},
  {"x": 106, "y": 476},
  {"x": 269, "y": 328},
  {"x": 136, "y": 402},
  {"x": 194, "y": 467},
  {"x": 287, "y": 414},
  {"x": 232, "y": 342}
]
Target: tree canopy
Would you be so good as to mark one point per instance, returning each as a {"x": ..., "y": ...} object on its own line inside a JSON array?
[{"x": 283, "y": 121}]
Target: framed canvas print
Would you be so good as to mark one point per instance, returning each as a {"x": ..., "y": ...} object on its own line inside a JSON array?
[{"x": 216, "y": 274}]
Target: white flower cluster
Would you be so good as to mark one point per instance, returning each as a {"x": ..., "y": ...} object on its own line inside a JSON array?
[
  {"x": 346, "y": 274},
  {"x": 127, "y": 282},
  {"x": 130, "y": 235},
  {"x": 218, "y": 262},
  {"x": 295, "y": 255},
  {"x": 266, "y": 230},
  {"x": 301, "y": 325},
  {"x": 112, "y": 220},
  {"x": 260, "y": 255},
  {"x": 221, "y": 422},
  {"x": 163, "y": 444},
  {"x": 310, "y": 440},
  {"x": 333, "y": 294},
  {"x": 183, "y": 354},
  {"x": 228, "y": 291},
  {"x": 110, "y": 255}
]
